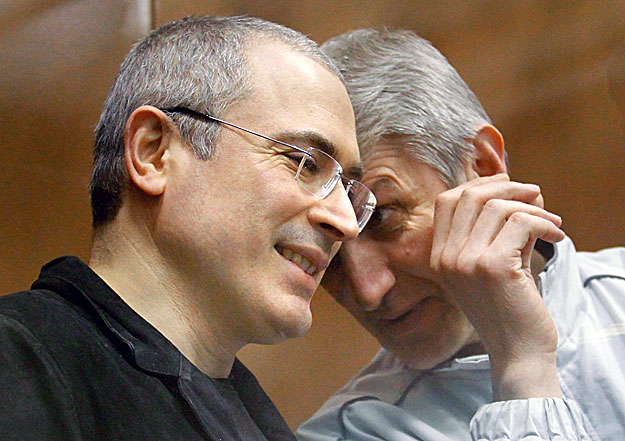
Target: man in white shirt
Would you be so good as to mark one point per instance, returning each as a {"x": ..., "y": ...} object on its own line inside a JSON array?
[{"x": 489, "y": 331}]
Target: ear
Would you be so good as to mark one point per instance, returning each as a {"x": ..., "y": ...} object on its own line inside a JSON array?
[
  {"x": 146, "y": 149},
  {"x": 489, "y": 151}
]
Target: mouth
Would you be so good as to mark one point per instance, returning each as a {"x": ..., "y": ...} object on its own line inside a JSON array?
[
  {"x": 304, "y": 263},
  {"x": 419, "y": 318},
  {"x": 399, "y": 318}
]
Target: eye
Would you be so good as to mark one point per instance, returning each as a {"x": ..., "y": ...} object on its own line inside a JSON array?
[
  {"x": 294, "y": 156},
  {"x": 379, "y": 215},
  {"x": 309, "y": 169},
  {"x": 385, "y": 221},
  {"x": 311, "y": 165}
]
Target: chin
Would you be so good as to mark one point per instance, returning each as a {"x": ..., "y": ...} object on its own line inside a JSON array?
[
  {"x": 298, "y": 328},
  {"x": 291, "y": 325}
]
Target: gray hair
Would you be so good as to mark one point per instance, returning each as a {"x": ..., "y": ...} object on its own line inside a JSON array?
[
  {"x": 405, "y": 92},
  {"x": 195, "y": 62}
]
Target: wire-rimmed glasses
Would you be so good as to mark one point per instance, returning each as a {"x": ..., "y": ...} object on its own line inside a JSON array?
[{"x": 317, "y": 173}]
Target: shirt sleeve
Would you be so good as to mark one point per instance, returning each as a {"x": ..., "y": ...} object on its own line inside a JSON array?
[
  {"x": 533, "y": 419},
  {"x": 35, "y": 403}
]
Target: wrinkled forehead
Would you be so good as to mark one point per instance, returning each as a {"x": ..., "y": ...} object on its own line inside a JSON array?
[{"x": 390, "y": 166}]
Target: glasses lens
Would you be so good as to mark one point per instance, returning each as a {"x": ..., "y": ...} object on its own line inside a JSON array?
[
  {"x": 363, "y": 201},
  {"x": 318, "y": 172}
]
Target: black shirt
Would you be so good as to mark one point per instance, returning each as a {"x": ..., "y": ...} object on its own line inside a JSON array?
[{"x": 77, "y": 363}]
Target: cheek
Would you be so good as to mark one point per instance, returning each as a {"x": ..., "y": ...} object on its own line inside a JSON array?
[{"x": 411, "y": 253}]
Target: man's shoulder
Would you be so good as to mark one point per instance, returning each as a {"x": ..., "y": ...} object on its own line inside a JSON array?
[
  {"x": 607, "y": 263},
  {"x": 36, "y": 306},
  {"x": 43, "y": 317},
  {"x": 383, "y": 378}
]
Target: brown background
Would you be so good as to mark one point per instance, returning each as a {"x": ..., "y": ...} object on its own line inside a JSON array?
[{"x": 550, "y": 74}]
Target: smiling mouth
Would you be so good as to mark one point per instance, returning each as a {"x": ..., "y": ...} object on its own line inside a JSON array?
[{"x": 298, "y": 260}]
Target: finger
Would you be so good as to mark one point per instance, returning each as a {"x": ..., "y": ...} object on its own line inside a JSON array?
[
  {"x": 494, "y": 216},
  {"x": 473, "y": 200},
  {"x": 445, "y": 208},
  {"x": 521, "y": 231}
]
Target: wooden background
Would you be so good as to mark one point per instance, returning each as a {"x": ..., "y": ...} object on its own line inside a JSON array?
[{"x": 550, "y": 73}]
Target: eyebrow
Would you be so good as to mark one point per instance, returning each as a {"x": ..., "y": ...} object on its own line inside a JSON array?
[{"x": 312, "y": 139}]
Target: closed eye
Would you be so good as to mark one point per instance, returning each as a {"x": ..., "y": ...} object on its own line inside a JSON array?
[
  {"x": 385, "y": 220},
  {"x": 380, "y": 214},
  {"x": 310, "y": 166},
  {"x": 294, "y": 156}
]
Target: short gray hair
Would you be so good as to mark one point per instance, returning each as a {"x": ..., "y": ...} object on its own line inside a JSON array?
[
  {"x": 195, "y": 62},
  {"x": 405, "y": 92}
]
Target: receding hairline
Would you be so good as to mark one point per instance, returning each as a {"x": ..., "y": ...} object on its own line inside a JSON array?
[{"x": 249, "y": 43}]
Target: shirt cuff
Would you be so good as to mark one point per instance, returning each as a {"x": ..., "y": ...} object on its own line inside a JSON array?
[{"x": 532, "y": 419}]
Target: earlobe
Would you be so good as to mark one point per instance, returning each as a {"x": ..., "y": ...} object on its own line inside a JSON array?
[
  {"x": 146, "y": 142},
  {"x": 489, "y": 151}
]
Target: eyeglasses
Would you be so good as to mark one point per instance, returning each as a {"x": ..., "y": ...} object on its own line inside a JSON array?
[{"x": 317, "y": 173}]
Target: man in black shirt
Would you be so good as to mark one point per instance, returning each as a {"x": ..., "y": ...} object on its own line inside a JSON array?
[{"x": 216, "y": 210}]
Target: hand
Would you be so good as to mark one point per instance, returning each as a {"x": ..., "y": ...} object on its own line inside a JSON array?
[{"x": 484, "y": 235}]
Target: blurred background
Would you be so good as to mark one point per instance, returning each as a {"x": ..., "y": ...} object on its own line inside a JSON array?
[{"x": 550, "y": 73}]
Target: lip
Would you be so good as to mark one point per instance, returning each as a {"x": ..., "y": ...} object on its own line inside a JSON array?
[
  {"x": 407, "y": 323},
  {"x": 410, "y": 320},
  {"x": 317, "y": 257},
  {"x": 391, "y": 316}
]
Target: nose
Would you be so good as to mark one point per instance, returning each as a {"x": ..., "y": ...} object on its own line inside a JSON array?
[
  {"x": 368, "y": 275},
  {"x": 335, "y": 215}
]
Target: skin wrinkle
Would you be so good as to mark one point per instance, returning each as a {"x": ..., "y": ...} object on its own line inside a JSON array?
[
  {"x": 166, "y": 284},
  {"x": 186, "y": 315},
  {"x": 213, "y": 225},
  {"x": 424, "y": 259},
  {"x": 401, "y": 265}
]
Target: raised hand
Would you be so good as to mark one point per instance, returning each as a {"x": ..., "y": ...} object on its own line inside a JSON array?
[{"x": 484, "y": 235}]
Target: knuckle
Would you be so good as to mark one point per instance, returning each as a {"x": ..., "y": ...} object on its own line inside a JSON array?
[
  {"x": 476, "y": 195},
  {"x": 443, "y": 199},
  {"x": 470, "y": 194},
  {"x": 483, "y": 264},
  {"x": 465, "y": 265},
  {"x": 493, "y": 205},
  {"x": 519, "y": 217},
  {"x": 447, "y": 262},
  {"x": 486, "y": 267}
]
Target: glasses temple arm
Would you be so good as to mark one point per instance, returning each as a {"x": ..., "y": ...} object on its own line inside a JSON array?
[{"x": 221, "y": 121}]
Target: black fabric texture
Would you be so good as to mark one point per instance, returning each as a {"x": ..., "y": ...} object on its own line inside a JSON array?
[{"x": 77, "y": 363}]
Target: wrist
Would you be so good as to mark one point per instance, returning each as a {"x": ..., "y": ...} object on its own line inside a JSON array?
[{"x": 534, "y": 376}]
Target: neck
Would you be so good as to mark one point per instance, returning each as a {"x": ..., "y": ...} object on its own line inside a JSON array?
[{"x": 140, "y": 276}]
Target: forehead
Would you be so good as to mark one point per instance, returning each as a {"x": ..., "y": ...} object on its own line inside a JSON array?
[
  {"x": 391, "y": 168},
  {"x": 292, "y": 94}
]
